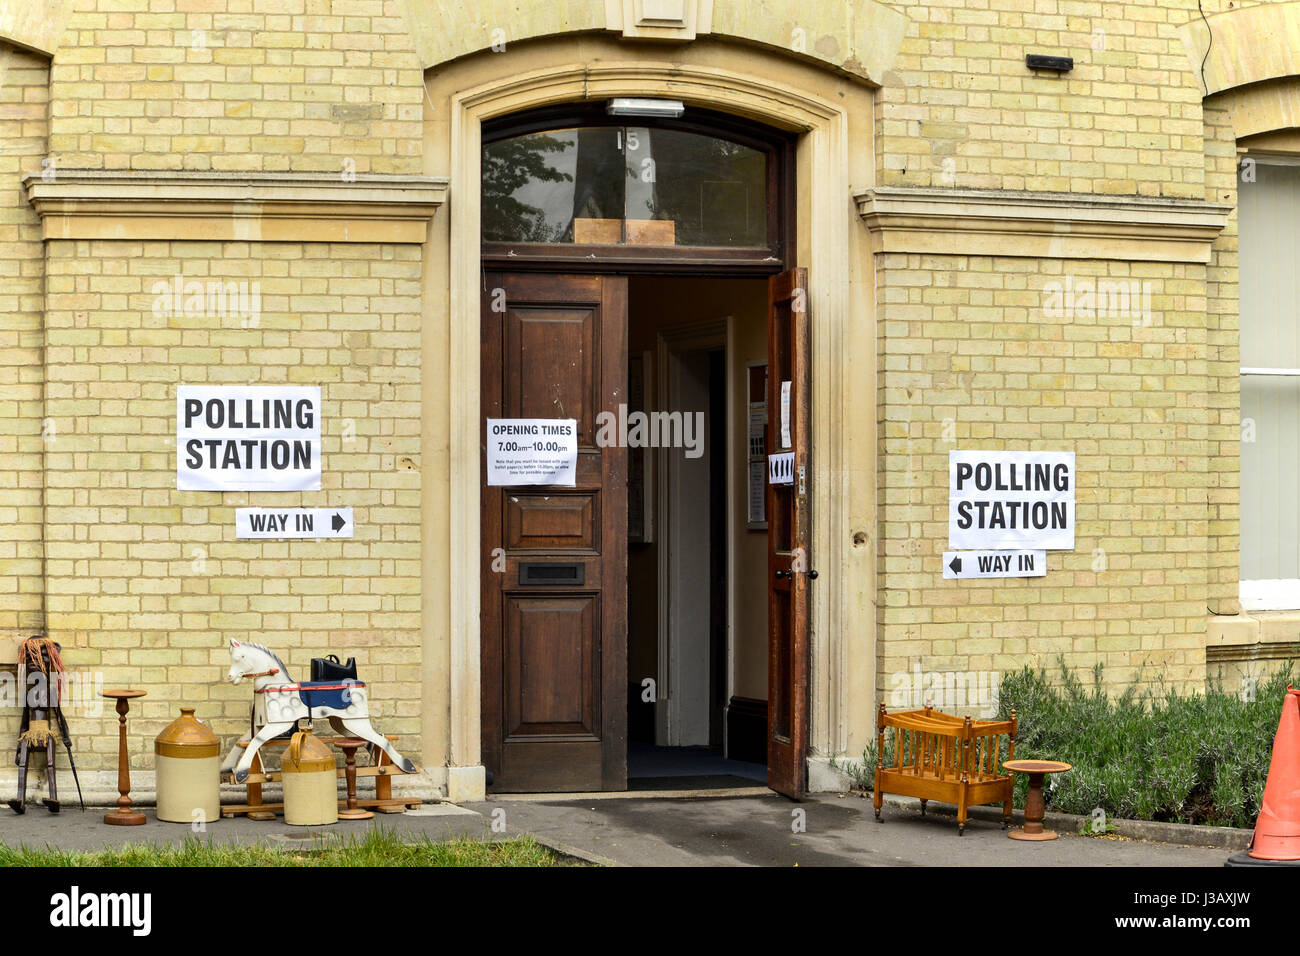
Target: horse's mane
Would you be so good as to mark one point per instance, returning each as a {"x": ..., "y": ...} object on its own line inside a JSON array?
[{"x": 274, "y": 656}]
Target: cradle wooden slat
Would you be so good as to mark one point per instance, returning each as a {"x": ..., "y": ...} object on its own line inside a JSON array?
[{"x": 938, "y": 756}]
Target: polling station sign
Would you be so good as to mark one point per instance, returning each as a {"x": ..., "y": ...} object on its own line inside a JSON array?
[
  {"x": 248, "y": 437},
  {"x": 532, "y": 451},
  {"x": 1011, "y": 500}
]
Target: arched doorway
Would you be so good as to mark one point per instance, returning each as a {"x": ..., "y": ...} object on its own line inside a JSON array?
[{"x": 831, "y": 119}]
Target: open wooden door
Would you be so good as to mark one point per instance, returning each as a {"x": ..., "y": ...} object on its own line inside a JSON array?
[
  {"x": 788, "y": 403},
  {"x": 553, "y": 623}
]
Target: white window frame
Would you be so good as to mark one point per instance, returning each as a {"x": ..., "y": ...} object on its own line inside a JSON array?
[
  {"x": 1277, "y": 594},
  {"x": 1270, "y": 595}
]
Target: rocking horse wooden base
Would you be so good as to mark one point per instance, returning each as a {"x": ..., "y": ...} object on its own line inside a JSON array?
[
  {"x": 270, "y": 811},
  {"x": 383, "y": 800}
]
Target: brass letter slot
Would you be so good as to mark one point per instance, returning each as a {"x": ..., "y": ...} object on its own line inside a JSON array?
[{"x": 539, "y": 574}]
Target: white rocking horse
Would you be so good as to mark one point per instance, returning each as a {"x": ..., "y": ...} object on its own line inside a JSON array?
[{"x": 279, "y": 702}]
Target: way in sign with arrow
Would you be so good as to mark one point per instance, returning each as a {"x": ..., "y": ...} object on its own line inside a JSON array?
[
  {"x": 293, "y": 523},
  {"x": 994, "y": 564}
]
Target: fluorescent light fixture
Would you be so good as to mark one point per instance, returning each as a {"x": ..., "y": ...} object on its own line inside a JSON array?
[{"x": 664, "y": 109}]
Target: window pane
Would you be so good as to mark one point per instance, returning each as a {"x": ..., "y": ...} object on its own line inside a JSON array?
[
  {"x": 1269, "y": 262},
  {"x": 528, "y": 187},
  {"x": 1270, "y": 461},
  {"x": 1269, "y": 256},
  {"x": 714, "y": 190},
  {"x": 624, "y": 185}
]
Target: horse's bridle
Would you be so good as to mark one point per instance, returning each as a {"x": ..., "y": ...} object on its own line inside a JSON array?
[{"x": 271, "y": 673}]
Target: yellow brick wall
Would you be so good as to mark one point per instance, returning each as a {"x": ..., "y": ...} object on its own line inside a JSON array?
[
  {"x": 147, "y": 584},
  {"x": 973, "y": 353},
  {"x": 1224, "y": 364},
  {"x": 961, "y": 109},
  {"x": 968, "y": 359},
  {"x": 273, "y": 85},
  {"x": 24, "y": 83}
]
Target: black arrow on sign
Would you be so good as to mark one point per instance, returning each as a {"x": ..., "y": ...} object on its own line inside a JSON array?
[
  {"x": 955, "y": 566},
  {"x": 337, "y": 521}
]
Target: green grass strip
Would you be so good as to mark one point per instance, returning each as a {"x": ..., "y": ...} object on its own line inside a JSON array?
[{"x": 374, "y": 848}]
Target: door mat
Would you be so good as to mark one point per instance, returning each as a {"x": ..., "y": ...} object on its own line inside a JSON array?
[{"x": 717, "y": 781}]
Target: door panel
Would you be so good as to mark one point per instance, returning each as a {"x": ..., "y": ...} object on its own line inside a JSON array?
[
  {"x": 549, "y": 522},
  {"x": 555, "y": 376},
  {"x": 789, "y": 563},
  {"x": 551, "y": 684},
  {"x": 553, "y": 625}
]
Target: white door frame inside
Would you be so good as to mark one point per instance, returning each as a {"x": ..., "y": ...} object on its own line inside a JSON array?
[{"x": 672, "y": 703}]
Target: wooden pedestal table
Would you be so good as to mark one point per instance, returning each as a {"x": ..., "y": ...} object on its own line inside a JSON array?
[
  {"x": 1037, "y": 770},
  {"x": 349, "y": 746},
  {"x": 123, "y": 816}
]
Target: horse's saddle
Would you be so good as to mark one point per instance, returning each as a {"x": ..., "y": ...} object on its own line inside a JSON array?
[{"x": 329, "y": 669}]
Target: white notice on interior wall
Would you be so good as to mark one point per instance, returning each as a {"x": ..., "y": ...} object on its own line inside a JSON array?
[
  {"x": 757, "y": 493},
  {"x": 785, "y": 415},
  {"x": 532, "y": 451},
  {"x": 1011, "y": 500},
  {"x": 248, "y": 437}
]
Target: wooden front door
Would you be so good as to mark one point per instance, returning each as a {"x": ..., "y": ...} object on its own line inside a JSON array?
[
  {"x": 789, "y": 565},
  {"x": 553, "y": 624}
]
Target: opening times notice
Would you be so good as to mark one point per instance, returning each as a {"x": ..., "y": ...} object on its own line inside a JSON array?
[{"x": 532, "y": 451}]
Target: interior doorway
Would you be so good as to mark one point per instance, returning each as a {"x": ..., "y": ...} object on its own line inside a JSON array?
[{"x": 697, "y": 627}]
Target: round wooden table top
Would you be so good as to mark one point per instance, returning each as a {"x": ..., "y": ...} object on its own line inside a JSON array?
[
  {"x": 350, "y": 743},
  {"x": 1036, "y": 766},
  {"x": 127, "y": 694}
]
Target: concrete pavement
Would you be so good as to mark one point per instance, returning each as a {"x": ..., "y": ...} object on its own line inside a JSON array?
[
  {"x": 840, "y": 831},
  {"x": 749, "y": 830}
]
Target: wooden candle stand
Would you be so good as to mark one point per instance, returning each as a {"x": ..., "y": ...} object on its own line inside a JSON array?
[
  {"x": 123, "y": 816},
  {"x": 349, "y": 746}
]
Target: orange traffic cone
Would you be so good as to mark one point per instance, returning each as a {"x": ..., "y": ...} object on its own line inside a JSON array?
[{"x": 1277, "y": 830}]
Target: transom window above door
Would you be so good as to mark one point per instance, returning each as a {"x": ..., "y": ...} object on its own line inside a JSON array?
[{"x": 600, "y": 188}]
